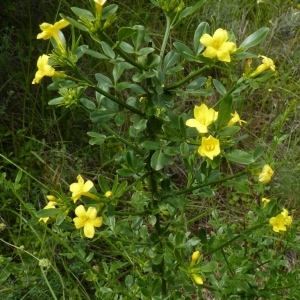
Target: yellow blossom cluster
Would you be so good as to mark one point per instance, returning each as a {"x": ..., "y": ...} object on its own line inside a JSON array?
[
  {"x": 266, "y": 174},
  {"x": 282, "y": 220},
  {"x": 84, "y": 218},
  {"x": 218, "y": 46},
  {"x": 196, "y": 278},
  {"x": 203, "y": 117}
]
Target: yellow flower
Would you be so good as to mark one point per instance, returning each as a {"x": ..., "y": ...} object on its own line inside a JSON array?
[
  {"x": 87, "y": 219},
  {"x": 278, "y": 223},
  {"x": 51, "y": 204},
  {"x": 108, "y": 194},
  {"x": 43, "y": 69},
  {"x": 203, "y": 117},
  {"x": 266, "y": 174},
  {"x": 287, "y": 219},
  {"x": 217, "y": 45},
  {"x": 195, "y": 257},
  {"x": 99, "y": 4},
  {"x": 210, "y": 147},
  {"x": 49, "y": 30},
  {"x": 197, "y": 279},
  {"x": 52, "y": 198},
  {"x": 236, "y": 119},
  {"x": 265, "y": 201},
  {"x": 81, "y": 189},
  {"x": 267, "y": 63}
]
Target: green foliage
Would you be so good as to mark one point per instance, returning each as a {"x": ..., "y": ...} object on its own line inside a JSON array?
[{"x": 162, "y": 189}]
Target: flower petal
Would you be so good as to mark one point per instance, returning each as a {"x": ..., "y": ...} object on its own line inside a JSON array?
[
  {"x": 79, "y": 222},
  {"x": 87, "y": 186},
  {"x": 91, "y": 213},
  {"x": 60, "y": 24},
  {"x": 221, "y": 36},
  {"x": 97, "y": 222},
  {"x": 89, "y": 230},
  {"x": 210, "y": 52},
  {"x": 206, "y": 40},
  {"x": 80, "y": 211},
  {"x": 223, "y": 55}
]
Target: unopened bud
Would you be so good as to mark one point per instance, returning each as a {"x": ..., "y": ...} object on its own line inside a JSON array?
[
  {"x": 108, "y": 194},
  {"x": 195, "y": 256},
  {"x": 197, "y": 279}
]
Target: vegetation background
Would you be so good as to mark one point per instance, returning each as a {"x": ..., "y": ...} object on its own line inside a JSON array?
[{"x": 52, "y": 145}]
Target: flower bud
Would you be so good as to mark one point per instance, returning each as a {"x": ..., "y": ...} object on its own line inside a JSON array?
[
  {"x": 195, "y": 256},
  {"x": 108, "y": 194},
  {"x": 197, "y": 279}
]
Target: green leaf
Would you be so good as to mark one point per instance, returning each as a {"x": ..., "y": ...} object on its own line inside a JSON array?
[
  {"x": 57, "y": 101},
  {"x": 240, "y": 157},
  {"x": 209, "y": 267},
  {"x": 171, "y": 150},
  {"x": 242, "y": 186},
  {"x": 74, "y": 23},
  {"x": 61, "y": 217},
  {"x": 191, "y": 9},
  {"x": 125, "y": 172},
  {"x": 86, "y": 50},
  {"x": 103, "y": 184},
  {"x": 138, "y": 37},
  {"x": 83, "y": 13},
  {"x": 156, "y": 288},
  {"x": 108, "y": 11},
  {"x": 255, "y": 38},
  {"x": 158, "y": 160},
  {"x": 224, "y": 112},
  {"x": 150, "y": 145},
  {"x": 184, "y": 148},
  {"x": 49, "y": 212},
  {"x": 184, "y": 51},
  {"x": 122, "y": 86},
  {"x": 120, "y": 189},
  {"x": 170, "y": 60},
  {"x": 129, "y": 281},
  {"x": 229, "y": 130},
  {"x": 153, "y": 61},
  {"x": 174, "y": 70},
  {"x": 258, "y": 152},
  {"x": 202, "y": 28},
  {"x": 97, "y": 138},
  {"x": 145, "y": 51},
  {"x": 101, "y": 116},
  {"x": 125, "y": 32},
  {"x": 120, "y": 118},
  {"x": 126, "y": 47},
  {"x": 197, "y": 83},
  {"x": 244, "y": 55},
  {"x": 107, "y": 50},
  {"x": 171, "y": 133},
  {"x": 117, "y": 72},
  {"x": 157, "y": 259},
  {"x": 88, "y": 103},
  {"x": 103, "y": 80},
  {"x": 4, "y": 274},
  {"x": 219, "y": 87}
]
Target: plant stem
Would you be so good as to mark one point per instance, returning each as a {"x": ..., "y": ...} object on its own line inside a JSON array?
[
  {"x": 117, "y": 136},
  {"x": 235, "y": 238},
  {"x": 102, "y": 92},
  {"x": 117, "y": 49},
  {"x": 186, "y": 79},
  {"x": 205, "y": 184},
  {"x": 166, "y": 36}
]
